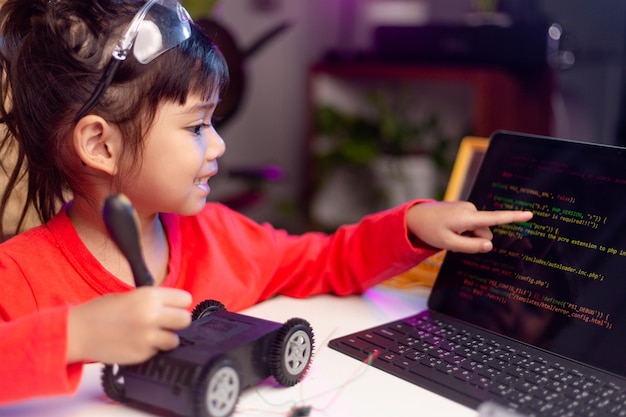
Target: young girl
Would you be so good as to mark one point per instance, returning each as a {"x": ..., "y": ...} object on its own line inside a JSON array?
[{"x": 116, "y": 96}]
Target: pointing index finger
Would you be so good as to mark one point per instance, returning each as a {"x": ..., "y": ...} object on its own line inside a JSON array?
[{"x": 493, "y": 218}]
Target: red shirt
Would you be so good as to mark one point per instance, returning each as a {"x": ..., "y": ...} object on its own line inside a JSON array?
[{"x": 217, "y": 254}]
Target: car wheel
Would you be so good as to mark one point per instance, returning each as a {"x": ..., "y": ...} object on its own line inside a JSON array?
[
  {"x": 291, "y": 352},
  {"x": 113, "y": 382},
  {"x": 205, "y": 308},
  {"x": 218, "y": 390}
]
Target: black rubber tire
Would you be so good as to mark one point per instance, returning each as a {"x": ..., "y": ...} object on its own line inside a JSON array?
[
  {"x": 218, "y": 390},
  {"x": 291, "y": 352},
  {"x": 113, "y": 383},
  {"x": 205, "y": 308}
]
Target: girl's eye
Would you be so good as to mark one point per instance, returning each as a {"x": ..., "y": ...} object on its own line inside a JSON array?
[{"x": 197, "y": 129}]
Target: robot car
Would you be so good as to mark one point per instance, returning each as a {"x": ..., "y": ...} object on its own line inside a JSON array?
[{"x": 220, "y": 354}]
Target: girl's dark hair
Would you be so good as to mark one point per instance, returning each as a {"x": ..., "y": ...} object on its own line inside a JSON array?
[{"x": 53, "y": 53}]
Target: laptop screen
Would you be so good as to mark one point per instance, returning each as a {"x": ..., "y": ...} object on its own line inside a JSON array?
[{"x": 559, "y": 281}]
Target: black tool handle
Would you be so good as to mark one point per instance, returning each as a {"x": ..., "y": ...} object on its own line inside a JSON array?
[{"x": 120, "y": 220}]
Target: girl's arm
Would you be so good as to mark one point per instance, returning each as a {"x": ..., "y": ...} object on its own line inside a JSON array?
[
  {"x": 33, "y": 350},
  {"x": 43, "y": 352},
  {"x": 268, "y": 261}
]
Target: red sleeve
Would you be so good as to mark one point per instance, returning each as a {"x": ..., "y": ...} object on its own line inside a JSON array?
[
  {"x": 33, "y": 338},
  {"x": 346, "y": 262},
  {"x": 33, "y": 351},
  {"x": 354, "y": 258}
]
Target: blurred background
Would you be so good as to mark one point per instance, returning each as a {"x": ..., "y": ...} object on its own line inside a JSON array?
[{"x": 322, "y": 88}]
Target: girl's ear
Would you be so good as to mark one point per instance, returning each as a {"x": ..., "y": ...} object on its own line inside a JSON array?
[{"x": 97, "y": 143}]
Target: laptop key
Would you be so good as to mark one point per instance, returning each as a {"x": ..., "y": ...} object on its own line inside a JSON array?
[
  {"x": 357, "y": 344},
  {"x": 388, "y": 333},
  {"x": 463, "y": 374},
  {"x": 377, "y": 340},
  {"x": 404, "y": 363}
]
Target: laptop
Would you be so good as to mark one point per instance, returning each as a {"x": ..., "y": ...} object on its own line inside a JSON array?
[{"x": 537, "y": 325}]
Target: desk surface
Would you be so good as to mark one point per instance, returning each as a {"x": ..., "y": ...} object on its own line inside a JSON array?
[{"x": 335, "y": 385}]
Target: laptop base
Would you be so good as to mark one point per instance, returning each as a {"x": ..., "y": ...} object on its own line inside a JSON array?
[{"x": 470, "y": 366}]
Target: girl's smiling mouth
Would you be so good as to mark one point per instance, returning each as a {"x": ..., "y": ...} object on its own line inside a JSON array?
[{"x": 203, "y": 182}]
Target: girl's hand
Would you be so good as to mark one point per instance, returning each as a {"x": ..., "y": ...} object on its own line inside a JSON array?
[
  {"x": 127, "y": 328},
  {"x": 458, "y": 226}
]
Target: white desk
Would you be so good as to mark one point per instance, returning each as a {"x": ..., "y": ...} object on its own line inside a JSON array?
[{"x": 336, "y": 385}]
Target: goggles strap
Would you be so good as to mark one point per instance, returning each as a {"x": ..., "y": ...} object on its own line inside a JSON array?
[{"x": 104, "y": 82}]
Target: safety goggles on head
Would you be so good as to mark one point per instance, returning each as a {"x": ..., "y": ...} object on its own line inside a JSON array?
[{"x": 158, "y": 26}]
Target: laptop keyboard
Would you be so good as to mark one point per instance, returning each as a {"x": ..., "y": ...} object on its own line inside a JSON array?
[{"x": 460, "y": 363}]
